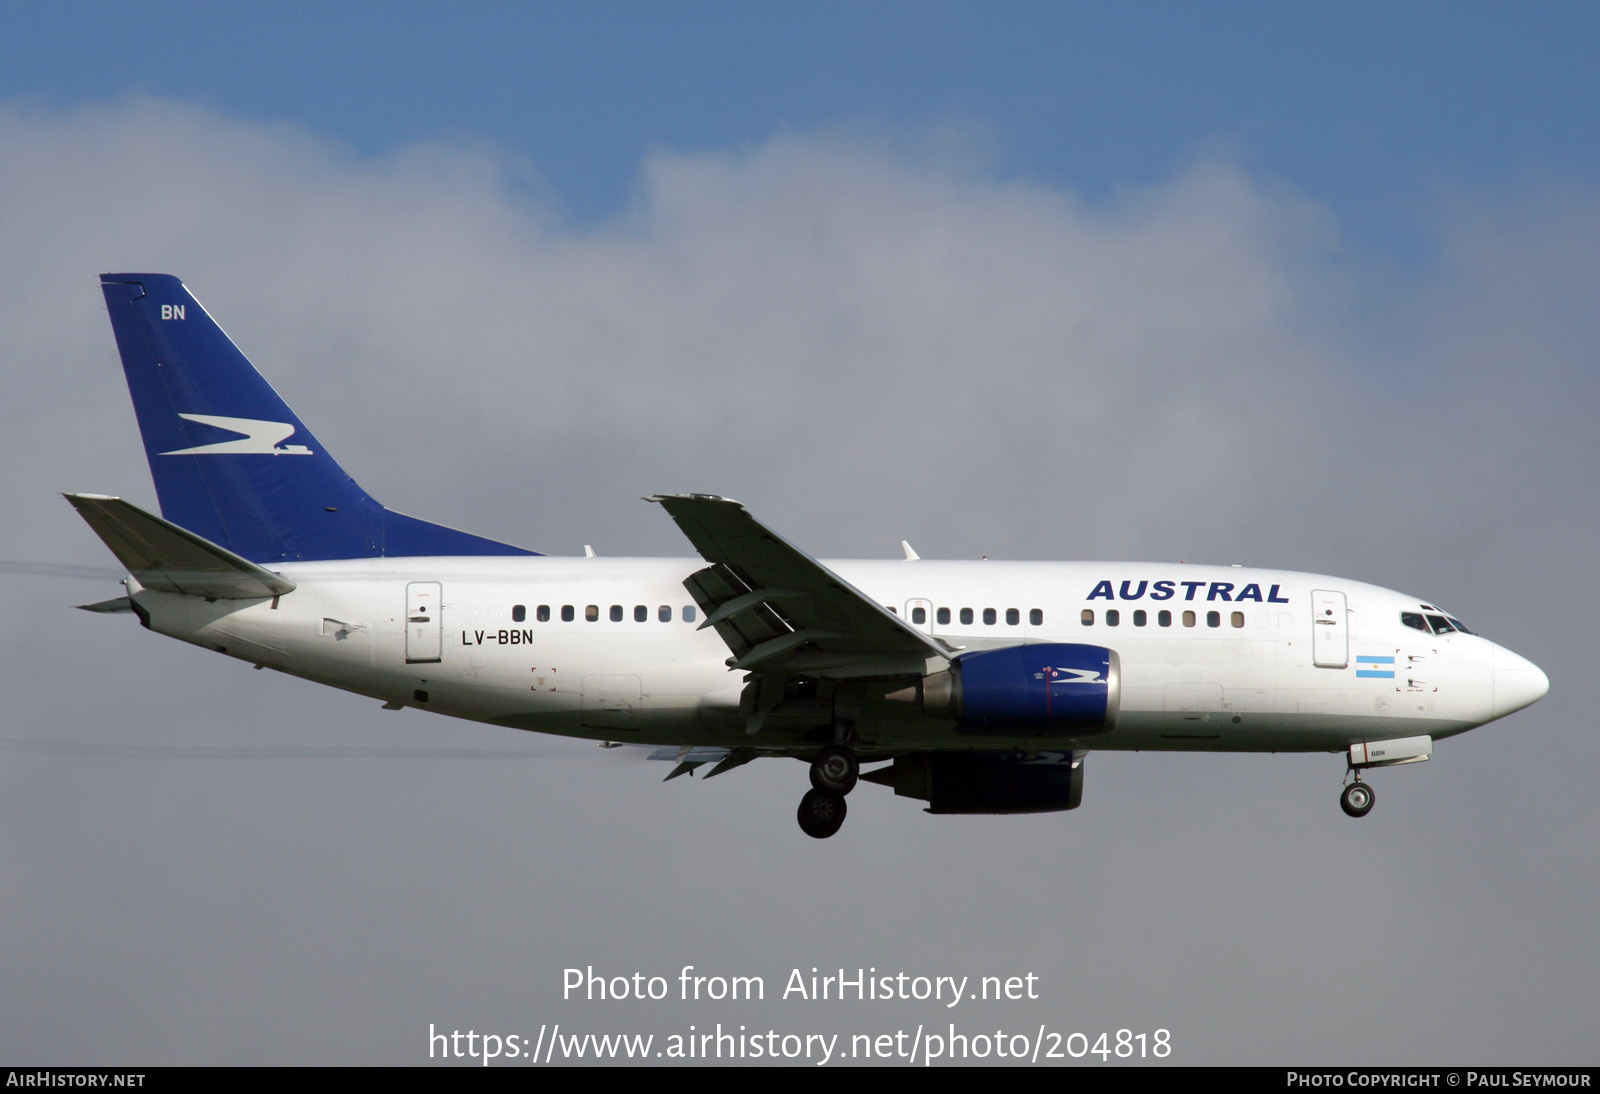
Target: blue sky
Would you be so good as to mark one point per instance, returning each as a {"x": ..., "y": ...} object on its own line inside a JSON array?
[
  {"x": 1312, "y": 286},
  {"x": 1371, "y": 107}
]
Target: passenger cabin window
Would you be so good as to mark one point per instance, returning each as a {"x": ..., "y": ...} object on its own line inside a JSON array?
[
  {"x": 919, "y": 615},
  {"x": 1036, "y": 617},
  {"x": 688, "y": 613},
  {"x": 641, "y": 613},
  {"x": 1237, "y": 618},
  {"x": 989, "y": 617},
  {"x": 1113, "y": 617},
  {"x": 664, "y": 613},
  {"x": 519, "y": 613},
  {"x": 1087, "y": 617},
  {"x": 592, "y": 613},
  {"x": 543, "y": 614},
  {"x": 1213, "y": 619},
  {"x": 966, "y": 616},
  {"x": 943, "y": 616},
  {"x": 616, "y": 613},
  {"x": 1013, "y": 617},
  {"x": 568, "y": 613},
  {"x": 1188, "y": 619},
  {"x": 1164, "y": 618},
  {"x": 1139, "y": 617}
]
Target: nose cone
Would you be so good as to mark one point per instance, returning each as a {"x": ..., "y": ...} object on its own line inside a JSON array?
[{"x": 1518, "y": 682}]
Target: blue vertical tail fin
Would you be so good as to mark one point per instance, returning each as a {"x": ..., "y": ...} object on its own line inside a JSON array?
[{"x": 231, "y": 462}]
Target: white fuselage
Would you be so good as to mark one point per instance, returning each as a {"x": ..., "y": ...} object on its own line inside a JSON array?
[{"x": 1212, "y": 658}]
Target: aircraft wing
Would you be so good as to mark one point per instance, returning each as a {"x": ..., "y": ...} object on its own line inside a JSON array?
[{"x": 780, "y": 610}]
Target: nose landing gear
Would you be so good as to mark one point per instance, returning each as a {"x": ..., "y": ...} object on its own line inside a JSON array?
[{"x": 1357, "y": 799}]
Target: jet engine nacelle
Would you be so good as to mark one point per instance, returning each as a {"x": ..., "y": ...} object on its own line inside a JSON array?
[
  {"x": 988, "y": 782},
  {"x": 1054, "y": 688}
]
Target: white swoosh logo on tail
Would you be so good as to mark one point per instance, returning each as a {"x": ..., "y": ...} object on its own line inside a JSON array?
[{"x": 259, "y": 437}]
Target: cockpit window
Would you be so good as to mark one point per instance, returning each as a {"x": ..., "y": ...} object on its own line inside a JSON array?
[{"x": 1432, "y": 624}]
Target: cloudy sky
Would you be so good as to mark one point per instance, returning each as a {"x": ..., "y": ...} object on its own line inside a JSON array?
[{"x": 1308, "y": 286}]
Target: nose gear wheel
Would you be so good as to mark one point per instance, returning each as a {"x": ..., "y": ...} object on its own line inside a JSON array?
[{"x": 1357, "y": 799}]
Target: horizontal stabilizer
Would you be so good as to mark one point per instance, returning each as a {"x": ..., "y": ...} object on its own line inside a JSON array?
[
  {"x": 115, "y": 604},
  {"x": 165, "y": 557}
]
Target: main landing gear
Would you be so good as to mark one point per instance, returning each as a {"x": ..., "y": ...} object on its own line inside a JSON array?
[
  {"x": 821, "y": 813},
  {"x": 834, "y": 771}
]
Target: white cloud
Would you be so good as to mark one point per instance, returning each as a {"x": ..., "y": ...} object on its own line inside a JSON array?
[{"x": 816, "y": 324}]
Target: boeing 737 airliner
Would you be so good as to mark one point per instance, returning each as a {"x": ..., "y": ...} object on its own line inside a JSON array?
[{"x": 977, "y": 687}]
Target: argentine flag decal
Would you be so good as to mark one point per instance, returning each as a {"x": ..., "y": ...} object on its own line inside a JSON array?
[{"x": 1379, "y": 668}]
